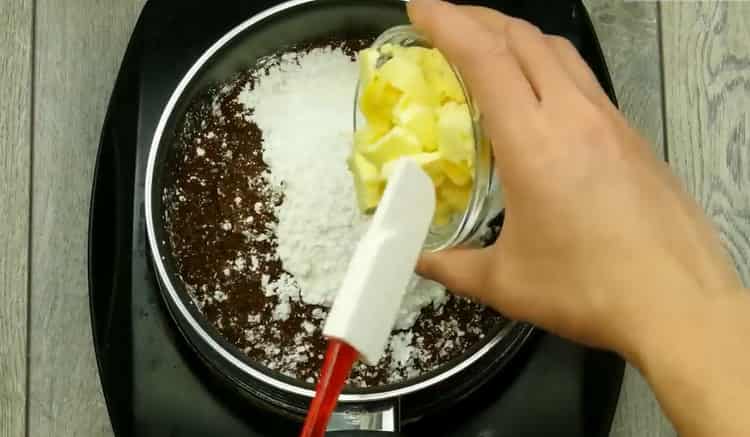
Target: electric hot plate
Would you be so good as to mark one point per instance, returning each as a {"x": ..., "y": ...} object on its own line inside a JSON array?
[{"x": 154, "y": 383}]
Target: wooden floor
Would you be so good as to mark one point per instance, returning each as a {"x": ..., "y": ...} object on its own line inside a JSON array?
[{"x": 682, "y": 73}]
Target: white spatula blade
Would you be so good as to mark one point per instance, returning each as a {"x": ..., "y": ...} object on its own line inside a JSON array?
[{"x": 368, "y": 301}]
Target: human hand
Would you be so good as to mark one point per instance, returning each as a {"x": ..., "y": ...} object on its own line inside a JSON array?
[{"x": 600, "y": 242}]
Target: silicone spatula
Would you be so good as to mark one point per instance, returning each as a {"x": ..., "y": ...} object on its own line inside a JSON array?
[{"x": 368, "y": 301}]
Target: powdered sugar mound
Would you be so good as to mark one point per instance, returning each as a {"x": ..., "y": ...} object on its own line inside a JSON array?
[
  {"x": 420, "y": 293},
  {"x": 303, "y": 106},
  {"x": 402, "y": 349}
]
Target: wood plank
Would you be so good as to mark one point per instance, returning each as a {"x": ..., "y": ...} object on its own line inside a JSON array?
[
  {"x": 707, "y": 78},
  {"x": 628, "y": 32},
  {"x": 79, "y": 46},
  {"x": 16, "y": 22}
]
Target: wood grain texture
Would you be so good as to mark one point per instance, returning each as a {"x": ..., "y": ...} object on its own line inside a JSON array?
[
  {"x": 15, "y": 151},
  {"x": 707, "y": 73},
  {"x": 628, "y": 32},
  {"x": 79, "y": 46}
]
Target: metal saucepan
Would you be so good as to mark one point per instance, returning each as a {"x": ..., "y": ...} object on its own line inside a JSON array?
[{"x": 379, "y": 408}]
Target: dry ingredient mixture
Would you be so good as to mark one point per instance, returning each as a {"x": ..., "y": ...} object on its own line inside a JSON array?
[{"x": 262, "y": 219}]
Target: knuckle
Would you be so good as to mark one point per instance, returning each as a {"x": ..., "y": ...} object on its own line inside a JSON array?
[
  {"x": 517, "y": 28},
  {"x": 498, "y": 49},
  {"x": 595, "y": 127},
  {"x": 560, "y": 43},
  {"x": 588, "y": 126}
]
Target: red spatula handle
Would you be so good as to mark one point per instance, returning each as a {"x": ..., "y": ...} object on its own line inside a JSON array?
[{"x": 338, "y": 362}]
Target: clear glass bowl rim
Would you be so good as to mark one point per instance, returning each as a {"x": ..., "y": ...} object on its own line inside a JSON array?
[{"x": 464, "y": 227}]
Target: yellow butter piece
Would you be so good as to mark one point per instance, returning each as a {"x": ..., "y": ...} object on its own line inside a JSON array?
[
  {"x": 458, "y": 174},
  {"x": 413, "y": 53},
  {"x": 365, "y": 136},
  {"x": 377, "y": 101},
  {"x": 368, "y": 59},
  {"x": 455, "y": 132},
  {"x": 418, "y": 118},
  {"x": 457, "y": 198},
  {"x": 438, "y": 178},
  {"x": 396, "y": 143},
  {"x": 406, "y": 75},
  {"x": 443, "y": 213},
  {"x": 414, "y": 107},
  {"x": 367, "y": 182},
  {"x": 441, "y": 78},
  {"x": 430, "y": 163}
]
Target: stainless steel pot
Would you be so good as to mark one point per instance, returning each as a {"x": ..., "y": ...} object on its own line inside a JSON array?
[{"x": 381, "y": 408}]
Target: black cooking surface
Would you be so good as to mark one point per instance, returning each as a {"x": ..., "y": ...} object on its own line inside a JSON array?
[{"x": 154, "y": 383}]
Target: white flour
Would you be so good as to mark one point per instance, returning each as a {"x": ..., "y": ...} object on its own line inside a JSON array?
[{"x": 303, "y": 107}]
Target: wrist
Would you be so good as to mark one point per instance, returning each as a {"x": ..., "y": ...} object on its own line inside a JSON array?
[
  {"x": 666, "y": 319},
  {"x": 696, "y": 358},
  {"x": 688, "y": 324}
]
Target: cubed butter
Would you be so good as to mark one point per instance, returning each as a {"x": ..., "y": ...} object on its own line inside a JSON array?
[
  {"x": 441, "y": 78},
  {"x": 443, "y": 213},
  {"x": 368, "y": 61},
  {"x": 414, "y": 53},
  {"x": 377, "y": 101},
  {"x": 406, "y": 76},
  {"x": 455, "y": 197},
  {"x": 396, "y": 143},
  {"x": 455, "y": 132},
  {"x": 458, "y": 174},
  {"x": 414, "y": 107},
  {"x": 418, "y": 118},
  {"x": 430, "y": 163},
  {"x": 367, "y": 182},
  {"x": 366, "y": 136}
]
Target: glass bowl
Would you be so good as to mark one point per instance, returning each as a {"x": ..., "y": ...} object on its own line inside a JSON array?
[{"x": 486, "y": 198}]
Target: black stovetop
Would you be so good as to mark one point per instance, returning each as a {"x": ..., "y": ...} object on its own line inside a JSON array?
[{"x": 153, "y": 382}]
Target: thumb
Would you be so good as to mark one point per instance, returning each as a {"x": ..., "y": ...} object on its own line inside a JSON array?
[{"x": 463, "y": 271}]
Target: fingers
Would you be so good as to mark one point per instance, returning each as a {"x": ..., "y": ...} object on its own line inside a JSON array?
[
  {"x": 510, "y": 110},
  {"x": 490, "y": 69},
  {"x": 464, "y": 271},
  {"x": 478, "y": 273},
  {"x": 530, "y": 46},
  {"x": 577, "y": 68},
  {"x": 567, "y": 56},
  {"x": 541, "y": 57}
]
